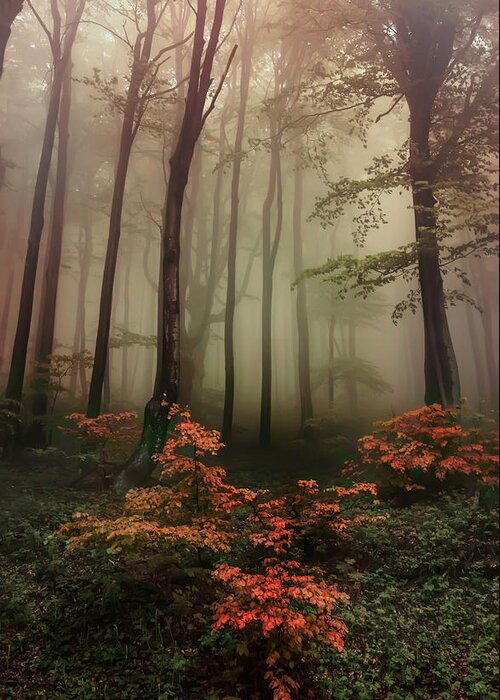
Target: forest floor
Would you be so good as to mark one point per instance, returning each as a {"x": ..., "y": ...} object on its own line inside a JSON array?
[{"x": 422, "y": 620}]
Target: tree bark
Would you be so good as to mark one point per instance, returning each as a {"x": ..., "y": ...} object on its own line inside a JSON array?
[
  {"x": 227, "y": 421},
  {"x": 418, "y": 56},
  {"x": 352, "y": 384},
  {"x": 18, "y": 362},
  {"x": 166, "y": 388},
  {"x": 477, "y": 354},
  {"x": 4, "y": 318},
  {"x": 306, "y": 405},
  {"x": 131, "y": 121},
  {"x": 331, "y": 362},
  {"x": 442, "y": 383},
  {"x": 124, "y": 389},
  {"x": 269, "y": 252},
  {"x": 48, "y": 304}
]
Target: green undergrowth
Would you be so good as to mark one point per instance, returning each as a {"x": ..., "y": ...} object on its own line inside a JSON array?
[{"x": 422, "y": 618}]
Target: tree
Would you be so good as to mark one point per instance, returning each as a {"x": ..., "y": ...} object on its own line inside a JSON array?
[
  {"x": 442, "y": 59},
  {"x": 61, "y": 40},
  {"x": 143, "y": 73},
  {"x": 287, "y": 71},
  {"x": 9, "y": 10},
  {"x": 196, "y": 113},
  {"x": 48, "y": 304},
  {"x": 305, "y": 392},
  {"x": 247, "y": 41}
]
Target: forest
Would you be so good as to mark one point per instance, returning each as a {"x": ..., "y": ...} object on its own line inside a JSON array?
[{"x": 249, "y": 349}]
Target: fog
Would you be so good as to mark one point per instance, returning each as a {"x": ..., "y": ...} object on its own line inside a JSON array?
[{"x": 289, "y": 66}]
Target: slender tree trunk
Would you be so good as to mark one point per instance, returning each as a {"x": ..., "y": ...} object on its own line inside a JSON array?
[
  {"x": 85, "y": 263},
  {"x": 166, "y": 388},
  {"x": 79, "y": 331},
  {"x": 130, "y": 124},
  {"x": 306, "y": 406},
  {"x": 442, "y": 383},
  {"x": 126, "y": 324},
  {"x": 352, "y": 385},
  {"x": 269, "y": 251},
  {"x": 490, "y": 345},
  {"x": 227, "y": 422},
  {"x": 207, "y": 275},
  {"x": 48, "y": 304},
  {"x": 331, "y": 362},
  {"x": 106, "y": 303},
  {"x": 4, "y": 319},
  {"x": 18, "y": 362},
  {"x": 477, "y": 354}
]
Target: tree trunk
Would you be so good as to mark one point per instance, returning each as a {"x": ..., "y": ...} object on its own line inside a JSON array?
[
  {"x": 153, "y": 438},
  {"x": 130, "y": 124},
  {"x": 442, "y": 384},
  {"x": 331, "y": 362},
  {"x": 477, "y": 354},
  {"x": 306, "y": 406},
  {"x": 269, "y": 251},
  {"x": 490, "y": 345},
  {"x": 80, "y": 335},
  {"x": 18, "y": 362},
  {"x": 106, "y": 302},
  {"x": 227, "y": 422},
  {"x": 166, "y": 388},
  {"x": 48, "y": 304},
  {"x": 126, "y": 323},
  {"x": 352, "y": 384},
  {"x": 4, "y": 319}
]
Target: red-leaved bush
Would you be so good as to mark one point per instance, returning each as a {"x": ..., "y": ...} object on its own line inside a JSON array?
[
  {"x": 196, "y": 514},
  {"x": 428, "y": 447},
  {"x": 288, "y": 609}
]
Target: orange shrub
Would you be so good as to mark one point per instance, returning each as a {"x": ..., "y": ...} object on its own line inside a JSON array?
[
  {"x": 195, "y": 512},
  {"x": 428, "y": 447},
  {"x": 289, "y": 609}
]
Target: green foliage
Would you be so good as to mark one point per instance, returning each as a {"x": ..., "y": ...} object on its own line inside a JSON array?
[
  {"x": 49, "y": 377},
  {"x": 423, "y": 622}
]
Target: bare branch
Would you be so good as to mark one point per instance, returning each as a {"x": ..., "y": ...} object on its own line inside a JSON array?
[{"x": 211, "y": 107}]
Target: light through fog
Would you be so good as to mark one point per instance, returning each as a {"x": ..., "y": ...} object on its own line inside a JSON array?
[{"x": 299, "y": 67}]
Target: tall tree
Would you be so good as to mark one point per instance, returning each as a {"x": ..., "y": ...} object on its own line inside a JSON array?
[
  {"x": 48, "y": 302},
  {"x": 143, "y": 72},
  {"x": 305, "y": 393},
  {"x": 196, "y": 113},
  {"x": 9, "y": 9},
  {"x": 247, "y": 37},
  {"x": 441, "y": 58},
  {"x": 61, "y": 40},
  {"x": 287, "y": 73}
]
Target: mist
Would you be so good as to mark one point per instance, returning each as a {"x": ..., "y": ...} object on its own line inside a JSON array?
[{"x": 315, "y": 141}]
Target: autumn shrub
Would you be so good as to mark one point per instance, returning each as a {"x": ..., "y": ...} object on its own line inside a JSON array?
[
  {"x": 111, "y": 436},
  {"x": 289, "y": 610},
  {"x": 249, "y": 540},
  {"x": 430, "y": 449}
]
